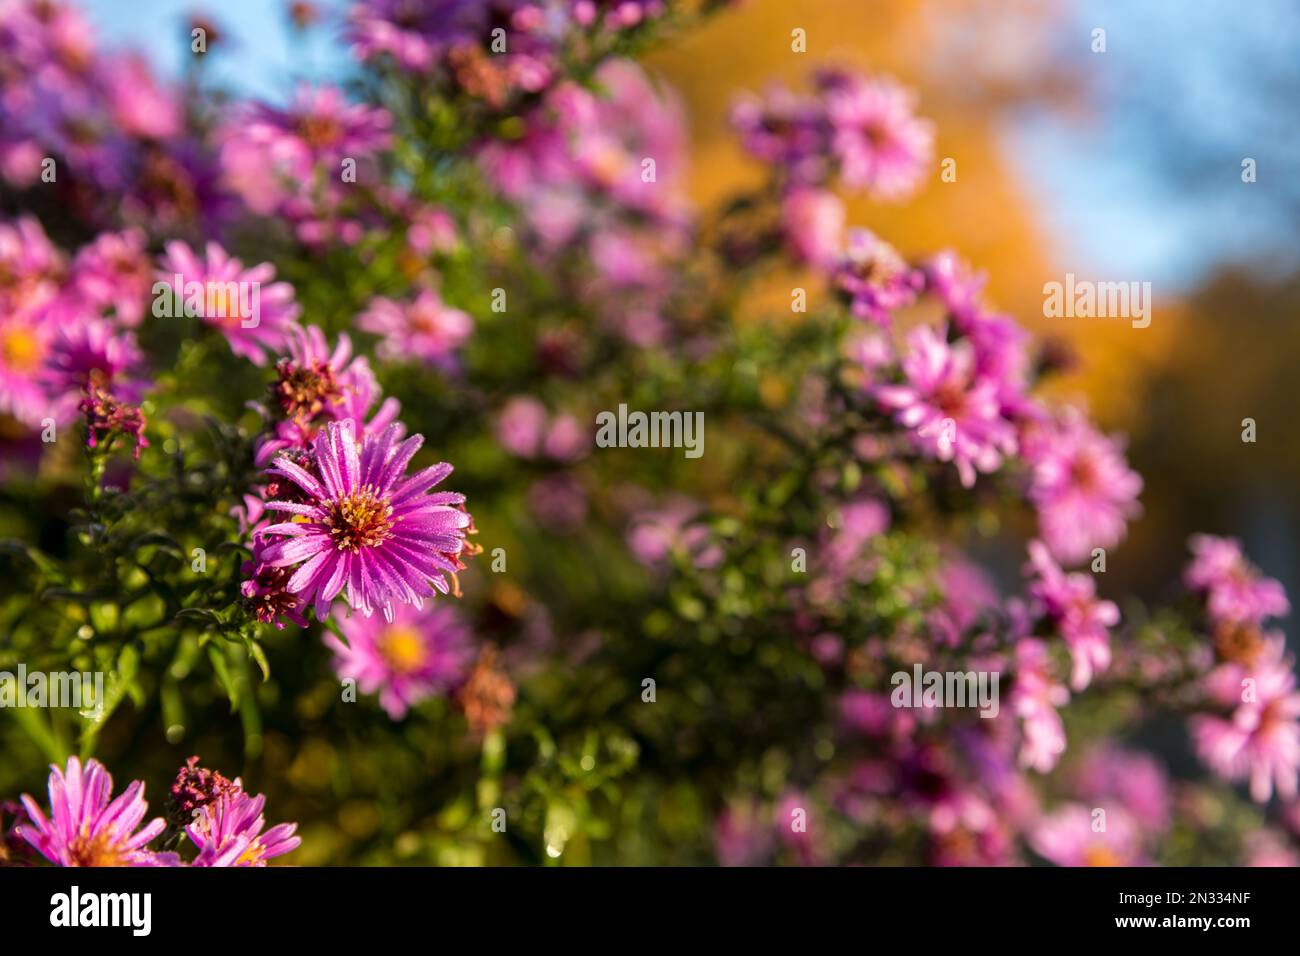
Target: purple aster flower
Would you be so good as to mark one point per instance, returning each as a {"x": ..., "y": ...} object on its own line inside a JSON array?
[
  {"x": 1082, "y": 487},
  {"x": 1235, "y": 590},
  {"x": 874, "y": 278},
  {"x": 419, "y": 654},
  {"x": 1070, "y": 602},
  {"x": 785, "y": 130},
  {"x": 369, "y": 530},
  {"x": 228, "y": 832},
  {"x": 253, "y": 311},
  {"x": 269, "y": 155},
  {"x": 86, "y": 827},
  {"x": 91, "y": 354},
  {"x": 953, "y": 414},
  {"x": 414, "y": 33},
  {"x": 1136, "y": 780},
  {"x": 880, "y": 144},
  {"x": 426, "y": 329}
]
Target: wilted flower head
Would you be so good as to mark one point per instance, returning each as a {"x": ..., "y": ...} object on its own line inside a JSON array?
[
  {"x": 488, "y": 696},
  {"x": 193, "y": 789},
  {"x": 107, "y": 419}
]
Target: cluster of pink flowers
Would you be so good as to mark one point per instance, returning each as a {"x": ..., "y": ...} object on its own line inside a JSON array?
[
  {"x": 63, "y": 351},
  {"x": 491, "y": 50},
  {"x": 862, "y": 129},
  {"x": 526, "y": 430},
  {"x": 88, "y": 826},
  {"x": 302, "y": 163},
  {"x": 1252, "y": 728},
  {"x": 600, "y": 171},
  {"x": 115, "y": 136}
]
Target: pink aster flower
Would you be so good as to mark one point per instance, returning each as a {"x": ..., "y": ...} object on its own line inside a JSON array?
[
  {"x": 113, "y": 273},
  {"x": 228, "y": 832},
  {"x": 1036, "y": 698},
  {"x": 1070, "y": 602},
  {"x": 880, "y": 144},
  {"x": 253, "y": 311},
  {"x": 425, "y": 329},
  {"x": 420, "y": 654},
  {"x": 952, "y": 414},
  {"x": 1074, "y": 835},
  {"x": 743, "y": 833},
  {"x": 874, "y": 278},
  {"x": 1082, "y": 487},
  {"x": 24, "y": 344},
  {"x": 1108, "y": 772},
  {"x": 370, "y": 531},
  {"x": 87, "y": 827},
  {"x": 1260, "y": 740},
  {"x": 658, "y": 535},
  {"x": 813, "y": 223},
  {"x": 270, "y": 155},
  {"x": 521, "y": 426},
  {"x": 1236, "y": 592}
]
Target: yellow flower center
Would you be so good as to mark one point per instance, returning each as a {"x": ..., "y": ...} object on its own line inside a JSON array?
[
  {"x": 360, "y": 520},
  {"x": 1099, "y": 855},
  {"x": 21, "y": 349},
  {"x": 99, "y": 849},
  {"x": 403, "y": 648}
]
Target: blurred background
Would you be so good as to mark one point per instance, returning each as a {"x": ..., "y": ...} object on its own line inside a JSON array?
[{"x": 1123, "y": 165}]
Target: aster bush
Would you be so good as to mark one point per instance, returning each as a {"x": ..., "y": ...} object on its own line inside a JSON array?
[{"x": 248, "y": 350}]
